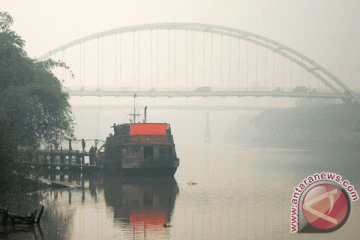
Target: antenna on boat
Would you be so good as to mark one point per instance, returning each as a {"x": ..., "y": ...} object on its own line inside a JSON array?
[
  {"x": 134, "y": 114},
  {"x": 134, "y": 108}
]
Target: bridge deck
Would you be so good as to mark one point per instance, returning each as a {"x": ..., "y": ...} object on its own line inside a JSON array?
[{"x": 100, "y": 93}]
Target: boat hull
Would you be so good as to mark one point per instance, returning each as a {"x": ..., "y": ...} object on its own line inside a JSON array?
[
  {"x": 143, "y": 172},
  {"x": 113, "y": 169},
  {"x": 139, "y": 149}
]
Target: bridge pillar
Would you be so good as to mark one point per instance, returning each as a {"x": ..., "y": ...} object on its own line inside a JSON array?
[{"x": 207, "y": 131}]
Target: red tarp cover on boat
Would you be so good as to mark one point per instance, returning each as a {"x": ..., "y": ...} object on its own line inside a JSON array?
[{"x": 148, "y": 129}]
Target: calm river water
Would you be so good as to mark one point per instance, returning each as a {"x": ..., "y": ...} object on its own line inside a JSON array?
[{"x": 220, "y": 191}]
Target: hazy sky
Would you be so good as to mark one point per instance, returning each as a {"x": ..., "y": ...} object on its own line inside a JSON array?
[{"x": 326, "y": 31}]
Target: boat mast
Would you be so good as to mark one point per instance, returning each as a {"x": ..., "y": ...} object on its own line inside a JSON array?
[
  {"x": 134, "y": 114},
  {"x": 134, "y": 107}
]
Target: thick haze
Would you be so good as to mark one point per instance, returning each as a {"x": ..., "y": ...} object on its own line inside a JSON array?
[
  {"x": 326, "y": 31},
  {"x": 241, "y": 191}
]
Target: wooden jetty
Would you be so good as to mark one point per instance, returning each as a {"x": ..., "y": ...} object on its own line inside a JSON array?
[{"x": 62, "y": 162}]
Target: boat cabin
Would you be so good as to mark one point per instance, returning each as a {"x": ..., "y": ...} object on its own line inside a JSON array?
[{"x": 140, "y": 144}]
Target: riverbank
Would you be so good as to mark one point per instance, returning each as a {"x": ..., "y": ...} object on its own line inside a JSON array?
[
  {"x": 15, "y": 184},
  {"x": 331, "y": 126}
]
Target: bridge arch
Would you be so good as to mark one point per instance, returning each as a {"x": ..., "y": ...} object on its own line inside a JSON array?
[{"x": 304, "y": 62}]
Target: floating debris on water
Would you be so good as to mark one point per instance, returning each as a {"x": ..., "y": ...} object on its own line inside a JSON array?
[
  {"x": 192, "y": 183},
  {"x": 14, "y": 218}
]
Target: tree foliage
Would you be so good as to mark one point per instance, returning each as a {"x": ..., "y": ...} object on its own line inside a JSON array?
[
  {"x": 34, "y": 109},
  {"x": 5, "y": 20}
]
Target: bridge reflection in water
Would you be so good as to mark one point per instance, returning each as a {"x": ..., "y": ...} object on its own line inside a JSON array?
[{"x": 144, "y": 204}]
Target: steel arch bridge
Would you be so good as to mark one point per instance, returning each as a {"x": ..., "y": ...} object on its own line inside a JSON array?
[{"x": 191, "y": 59}]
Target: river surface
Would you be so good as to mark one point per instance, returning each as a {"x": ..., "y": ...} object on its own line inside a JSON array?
[{"x": 220, "y": 191}]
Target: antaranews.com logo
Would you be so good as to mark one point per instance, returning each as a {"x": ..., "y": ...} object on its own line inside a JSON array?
[{"x": 321, "y": 203}]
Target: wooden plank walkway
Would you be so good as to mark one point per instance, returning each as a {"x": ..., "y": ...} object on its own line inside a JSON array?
[
  {"x": 63, "y": 165},
  {"x": 62, "y": 153},
  {"x": 64, "y": 159},
  {"x": 56, "y": 183}
]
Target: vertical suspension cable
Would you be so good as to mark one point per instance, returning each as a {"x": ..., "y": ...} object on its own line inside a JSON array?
[
  {"x": 221, "y": 60},
  {"x": 84, "y": 76},
  {"x": 193, "y": 67},
  {"x": 256, "y": 66},
  {"x": 211, "y": 59},
  {"x": 239, "y": 65},
  {"x": 133, "y": 81},
  {"x": 274, "y": 72},
  {"x": 186, "y": 59},
  {"x": 139, "y": 60},
  {"x": 283, "y": 74},
  {"x": 120, "y": 68},
  {"x": 175, "y": 60},
  {"x": 204, "y": 60},
  {"x": 265, "y": 66},
  {"x": 229, "y": 61},
  {"x": 98, "y": 63},
  {"x": 151, "y": 57},
  {"x": 157, "y": 59},
  {"x": 116, "y": 53},
  {"x": 169, "y": 60},
  {"x": 80, "y": 65},
  {"x": 247, "y": 67},
  {"x": 102, "y": 63}
]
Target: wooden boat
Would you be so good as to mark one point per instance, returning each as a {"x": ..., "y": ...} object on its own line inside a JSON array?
[{"x": 140, "y": 149}]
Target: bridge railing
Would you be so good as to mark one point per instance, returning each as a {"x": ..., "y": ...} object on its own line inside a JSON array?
[{"x": 205, "y": 89}]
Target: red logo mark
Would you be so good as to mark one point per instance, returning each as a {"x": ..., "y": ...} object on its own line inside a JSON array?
[{"x": 325, "y": 206}]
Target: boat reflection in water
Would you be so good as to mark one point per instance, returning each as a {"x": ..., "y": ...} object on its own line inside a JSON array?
[{"x": 143, "y": 204}]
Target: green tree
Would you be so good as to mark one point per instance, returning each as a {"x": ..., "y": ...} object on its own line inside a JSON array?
[{"x": 33, "y": 107}]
